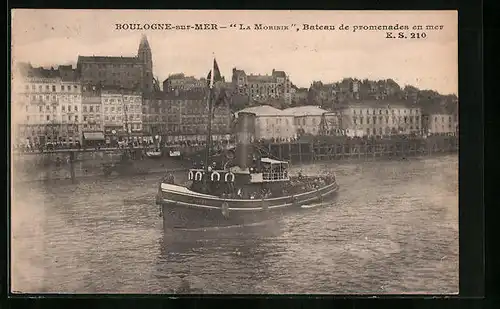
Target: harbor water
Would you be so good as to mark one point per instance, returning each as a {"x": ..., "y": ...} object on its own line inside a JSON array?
[{"x": 392, "y": 229}]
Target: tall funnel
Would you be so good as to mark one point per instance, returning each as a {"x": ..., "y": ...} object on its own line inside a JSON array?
[{"x": 245, "y": 135}]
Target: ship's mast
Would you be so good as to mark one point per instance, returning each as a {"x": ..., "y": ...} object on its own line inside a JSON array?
[{"x": 209, "y": 128}]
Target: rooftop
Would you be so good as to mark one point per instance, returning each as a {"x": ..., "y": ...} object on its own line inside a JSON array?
[
  {"x": 261, "y": 78},
  {"x": 65, "y": 72},
  {"x": 308, "y": 110},
  {"x": 108, "y": 59},
  {"x": 378, "y": 104},
  {"x": 265, "y": 110},
  {"x": 185, "y": 95}
]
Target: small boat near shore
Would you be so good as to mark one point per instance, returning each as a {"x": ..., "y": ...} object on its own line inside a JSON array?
[{"x": 153, "y": 153}]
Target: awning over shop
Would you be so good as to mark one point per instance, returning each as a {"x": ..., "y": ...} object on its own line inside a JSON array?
[{"x": 93, "y": 136}]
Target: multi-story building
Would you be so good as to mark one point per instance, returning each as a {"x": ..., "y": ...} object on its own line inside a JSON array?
[
  {"x": 180, "y": 82},
  {"x": 50, "y": 101},
  {"x": 310, "y": 119},
  {"x": 183, "y": 116},
  {"x": 122, "y": 114},
  {"x": 300, "y": 95},
  {"x": 92, "y": 120},
  {"x": 154, "y": 118},
  {"x": 381, "y": 118},
  {"x": 436, "y": 121},
  {"x": 261, "y": 88},
  {"x": 272, "y": 123},
  {"x": 128, "y": 72}
]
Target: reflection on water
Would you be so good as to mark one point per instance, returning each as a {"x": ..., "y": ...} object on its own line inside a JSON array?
[{"x": 392, "y": 229}]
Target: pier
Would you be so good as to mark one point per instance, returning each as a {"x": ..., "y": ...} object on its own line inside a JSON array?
[{"x": 317, "y": 151}]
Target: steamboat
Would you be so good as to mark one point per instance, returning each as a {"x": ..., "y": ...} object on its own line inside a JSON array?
[{"x": 246, "y": 188}]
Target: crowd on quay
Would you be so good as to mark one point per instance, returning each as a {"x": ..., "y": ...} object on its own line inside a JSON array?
[
  {"x": 23, "y": 148},
  {"x": 350, "y": 139}
]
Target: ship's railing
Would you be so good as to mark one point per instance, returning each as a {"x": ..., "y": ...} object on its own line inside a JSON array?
[{"x": 275, "y": 176}]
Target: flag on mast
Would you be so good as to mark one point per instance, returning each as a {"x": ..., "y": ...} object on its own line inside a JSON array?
[{"x": 220, "y": 95}]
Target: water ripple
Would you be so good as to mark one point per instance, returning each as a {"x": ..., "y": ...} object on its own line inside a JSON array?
[{"x": 392, "y": 229}]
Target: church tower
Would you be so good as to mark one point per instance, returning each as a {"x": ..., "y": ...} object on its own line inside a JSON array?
[{"x": 145, "y": 56}]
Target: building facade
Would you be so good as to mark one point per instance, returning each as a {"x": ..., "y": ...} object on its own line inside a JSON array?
[
  {"x": 128, "y": 72},
  {"x": 439, "y": 123},
  {"x": 261, "y": 88},
  {"x": 272, "y": 123},
  {"x": 183, "y": 116},
  {"x": 122, "y": 115},
  {"x": 180, "y": 82},
  {"x": 310, "y": 120},
  {"x": 376, "y": 118},
  {"x": 92, "y": 120},
  {"x": 48, "y": 104}
]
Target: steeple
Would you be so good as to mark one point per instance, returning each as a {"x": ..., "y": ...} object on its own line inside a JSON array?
[
  {"x": 145, "y": 56},
  {"x": 144, "y": 43}
]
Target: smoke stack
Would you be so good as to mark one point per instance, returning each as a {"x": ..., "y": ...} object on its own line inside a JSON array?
[{"x": 245, "y": 134}]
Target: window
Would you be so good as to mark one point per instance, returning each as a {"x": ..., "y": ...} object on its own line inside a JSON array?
[
  {"x": 40, "y": 88},
  {"x": 76, "y": 118},
  {"x": 91, "y": 109},
  {"x": 84, "y": 118},
  {"x": 69, "y": 117},
  {"x": 76, "y": 108},
  {"x": 97, "y": 109},
  {"x": 106, "y": 118},
  {"x": 112, "y": 108},
  {"x": 48, "y": 117},
  {"x": 85, "y": 109},
  {"x": 62, "y": 87},
  {"x": 33, "y": 87},
  {"x": 47, "y": 87},
  {"x": 106, "y": 109},
  {"x": 63, "y": 108},
  {"x": 47, "y": 107},
  {"x": 361, "y": 120},
  {"x": 368, "y": 130},
  {"x": 374, "y": 119},
  {"x": 69, "y": 108},
  {"x": 40, "y": 109}
]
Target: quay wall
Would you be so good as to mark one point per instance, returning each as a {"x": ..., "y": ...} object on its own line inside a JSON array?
[{"x": 44, "y": 167}]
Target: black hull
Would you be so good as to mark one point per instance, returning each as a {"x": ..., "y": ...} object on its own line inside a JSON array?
[{"x": 189, "y": 217}]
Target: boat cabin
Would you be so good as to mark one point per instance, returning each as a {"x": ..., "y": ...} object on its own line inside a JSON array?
[
  {"x": 269, "y": 170},
  {"x": 265, "y": 170}
]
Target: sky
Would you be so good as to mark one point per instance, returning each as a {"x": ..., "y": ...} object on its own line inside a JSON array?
[{"x": 46, "y": 37}]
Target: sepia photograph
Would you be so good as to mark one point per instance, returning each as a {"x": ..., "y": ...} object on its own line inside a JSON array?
[{"x": 234, "y": 152}]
